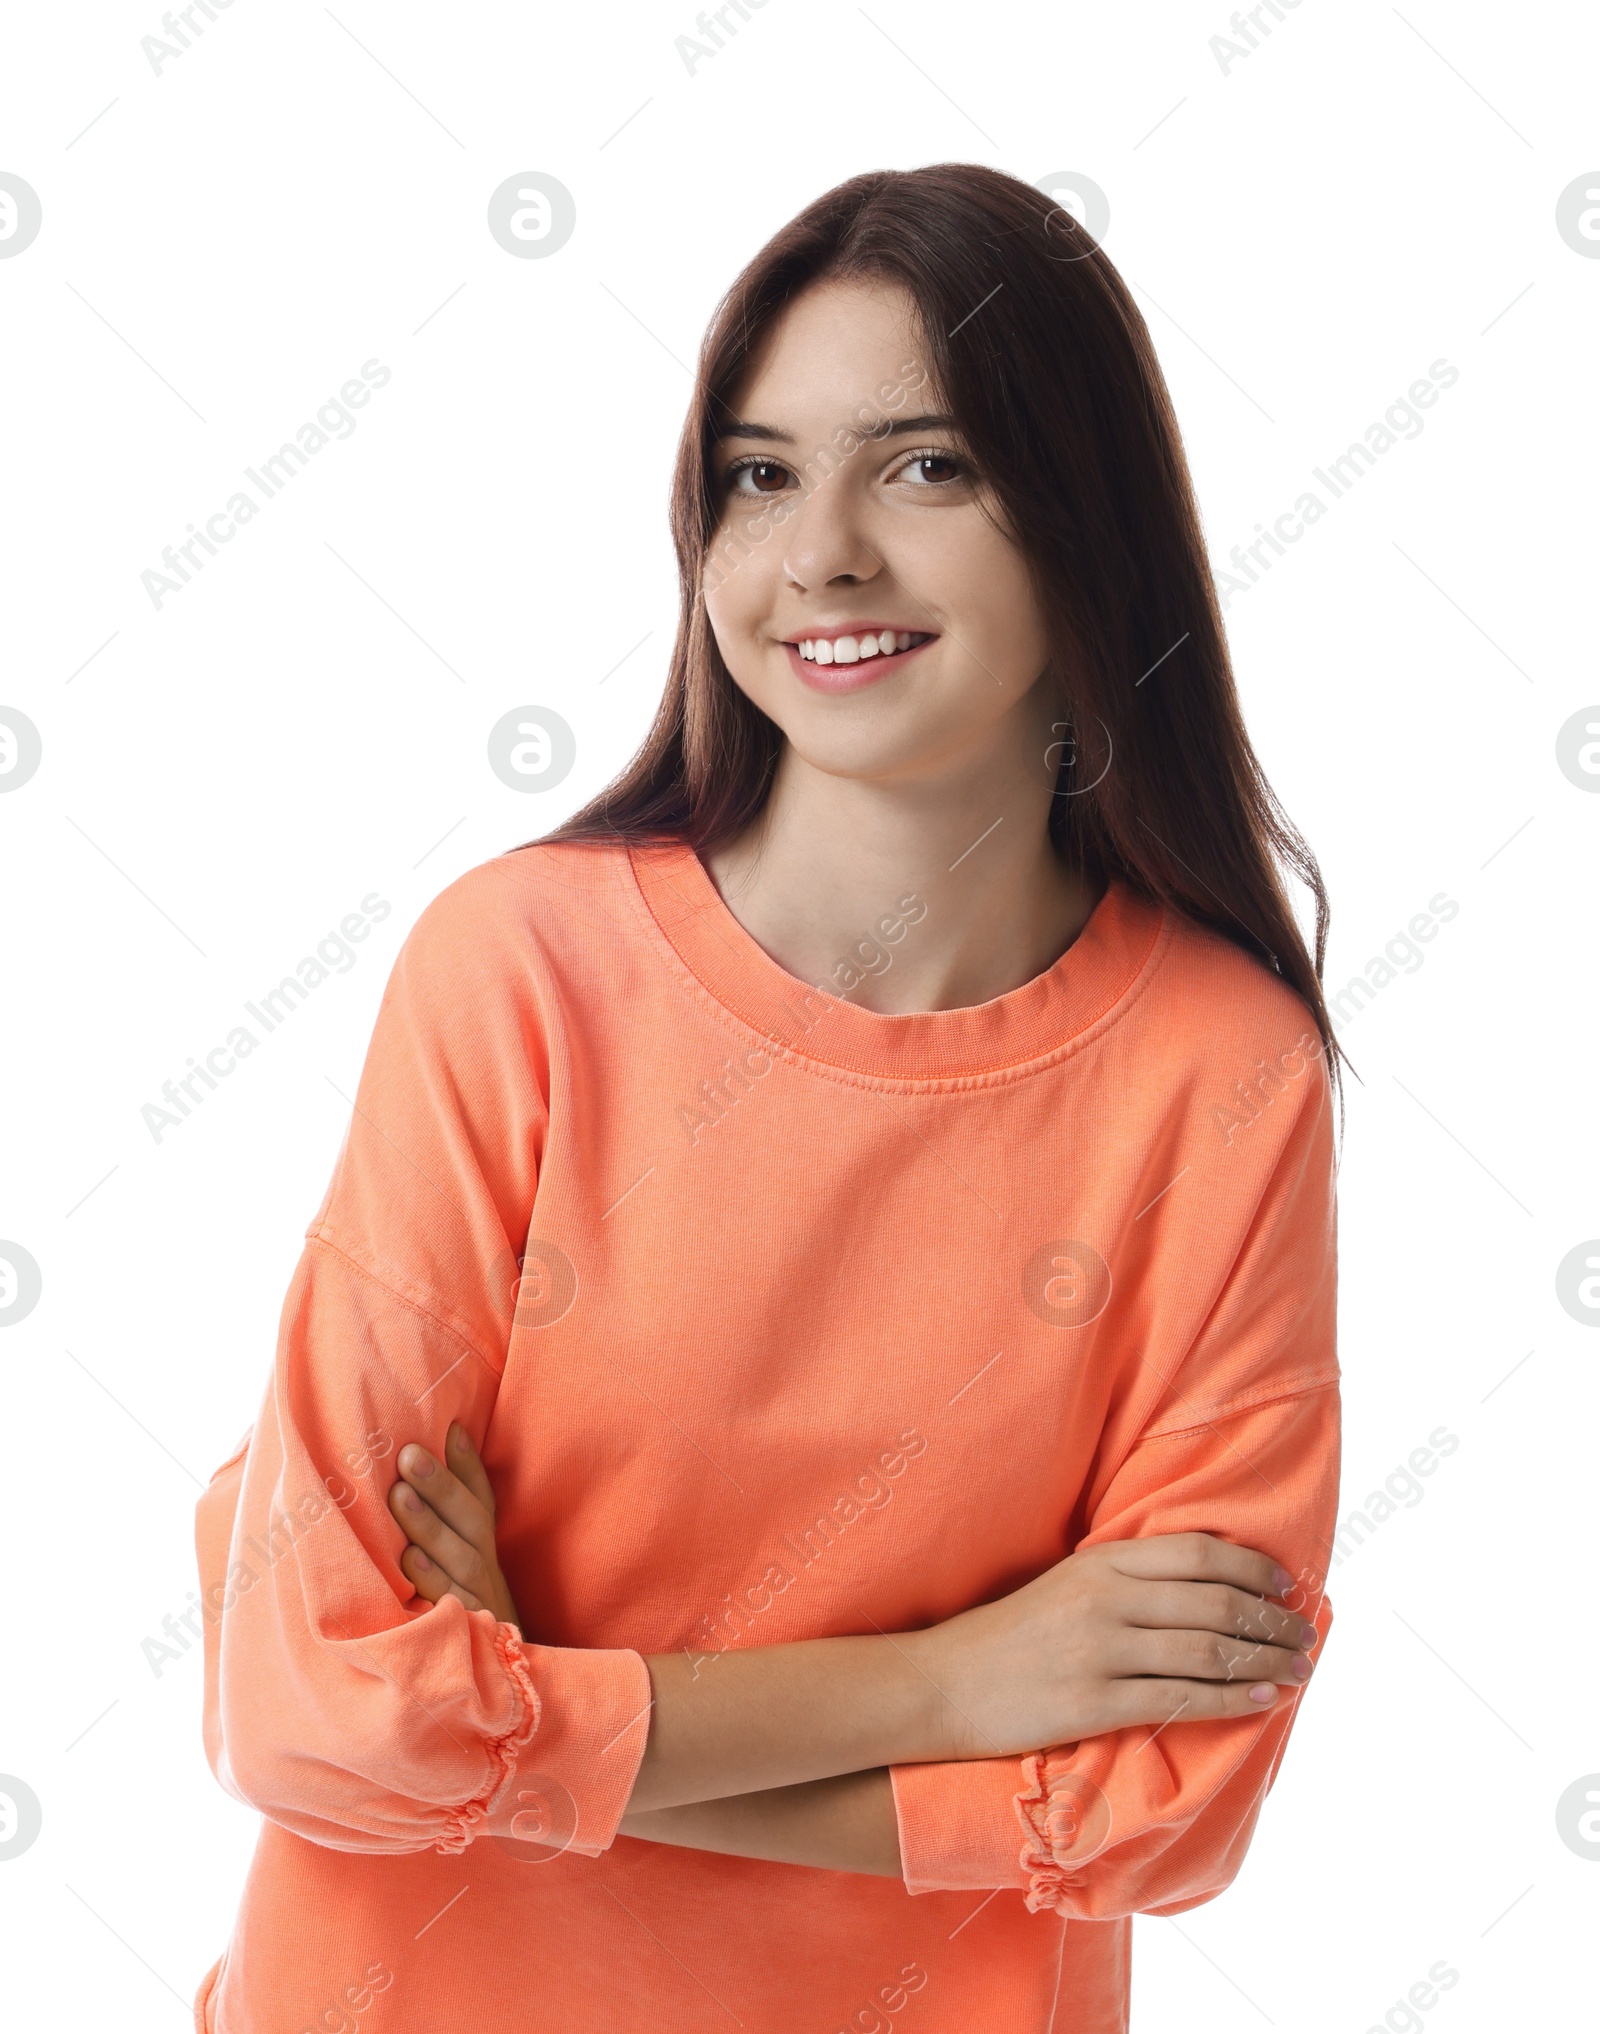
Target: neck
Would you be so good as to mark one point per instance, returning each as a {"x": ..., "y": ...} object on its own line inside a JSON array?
[{"x": 825, "y": 875}]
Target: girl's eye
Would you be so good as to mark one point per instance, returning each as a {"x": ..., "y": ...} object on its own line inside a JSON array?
[
  {"x": 925, "y": 459},
  {"x": 767, "y": 475}
]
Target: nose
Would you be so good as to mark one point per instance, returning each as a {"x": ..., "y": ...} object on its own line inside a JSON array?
[{"x": 826, "y": 543}]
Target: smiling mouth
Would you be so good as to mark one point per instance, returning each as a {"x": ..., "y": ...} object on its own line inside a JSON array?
[{"x": 850, "y": 659}]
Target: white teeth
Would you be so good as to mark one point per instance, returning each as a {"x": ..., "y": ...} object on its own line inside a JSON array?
[{"x": 851, "y": 649}]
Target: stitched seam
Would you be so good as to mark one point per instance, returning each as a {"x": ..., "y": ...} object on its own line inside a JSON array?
[
  {"x": 320, "y": 1235},
  {"x": 734, "y": 1021},
  {"x": 238, "y": 1454},
  {"x": 1052, "y": 1876},
  {"x": 503, "y": 1752},
  {"x": 1271, "y": 1394}
]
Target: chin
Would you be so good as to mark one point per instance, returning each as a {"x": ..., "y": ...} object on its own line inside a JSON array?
[{"x": 860, "y": 752}]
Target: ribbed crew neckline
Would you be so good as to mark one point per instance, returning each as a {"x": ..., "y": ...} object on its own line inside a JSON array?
[{"x": 1037, "y": 1021}]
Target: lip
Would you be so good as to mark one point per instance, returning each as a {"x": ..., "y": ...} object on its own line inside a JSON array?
[{"x": 853, "y": 677}]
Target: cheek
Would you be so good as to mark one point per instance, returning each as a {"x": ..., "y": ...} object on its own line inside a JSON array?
[
  {"x": 984, "y": 596},
  {"x": 1008, "y": 591},
  {"x": 732, "y": 630},
  {"x": 740, "y": 588}
]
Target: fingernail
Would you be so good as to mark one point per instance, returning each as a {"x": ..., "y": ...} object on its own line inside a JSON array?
[
  {"x": 1309, "y": 1636},
  {"x": 421, "y": 1558},
  {"x": 1263, "y": 1691},
  {"x": 1282, "y": 1582},
  {"x": 410, "y": 1499},
  {"x": 1300, "y": 1667},
  {"x": 421, "y": 1463}
]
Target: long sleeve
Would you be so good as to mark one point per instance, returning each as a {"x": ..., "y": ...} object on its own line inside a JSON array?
[
  {"x": 1243, "y": 1443},
  {"x": 338, "y": 1702}
]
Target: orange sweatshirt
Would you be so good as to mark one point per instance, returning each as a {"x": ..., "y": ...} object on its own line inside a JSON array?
[{"x": 773, "y": 1317}]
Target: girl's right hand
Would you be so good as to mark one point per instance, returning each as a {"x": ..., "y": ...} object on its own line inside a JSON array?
[
  {"x": 446, "y": 1509},
  {"x": 1127, "y": 1632}
]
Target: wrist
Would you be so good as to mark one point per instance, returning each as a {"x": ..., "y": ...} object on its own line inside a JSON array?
[{"x": 937, "y": 1730}]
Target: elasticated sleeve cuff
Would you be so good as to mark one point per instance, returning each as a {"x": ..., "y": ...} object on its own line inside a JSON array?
[
  {"x": 958, "y": 1825},
  {"x": 569, "y": 1779}
]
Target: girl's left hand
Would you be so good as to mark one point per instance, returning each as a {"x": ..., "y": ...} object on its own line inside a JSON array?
[{"x": 446, "y": 1511}]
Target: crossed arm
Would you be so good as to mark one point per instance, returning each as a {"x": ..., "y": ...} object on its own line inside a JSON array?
[
  {"x": 846, "y": 1823},
  {"x": 783, "y": 1752}
]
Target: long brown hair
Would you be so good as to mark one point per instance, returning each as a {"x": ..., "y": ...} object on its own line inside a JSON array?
[{"x": 1041, "y": 356}]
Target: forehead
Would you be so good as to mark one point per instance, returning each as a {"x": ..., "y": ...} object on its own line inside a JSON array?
[{"x": 837, "y": 346}]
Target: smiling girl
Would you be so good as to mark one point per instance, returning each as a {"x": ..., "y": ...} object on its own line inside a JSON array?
[{"x": 805, "y": 1433}]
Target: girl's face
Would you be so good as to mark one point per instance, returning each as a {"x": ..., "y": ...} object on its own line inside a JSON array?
[{"x": 859, "y": 594}]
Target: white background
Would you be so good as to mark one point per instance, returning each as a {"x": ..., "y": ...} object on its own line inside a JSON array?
[{"x": 224, "y": 778}]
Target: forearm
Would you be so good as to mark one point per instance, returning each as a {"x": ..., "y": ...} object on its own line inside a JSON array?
[
  {"x": 843, "y": 1824},
  {"x": 745, "y": 1722}
]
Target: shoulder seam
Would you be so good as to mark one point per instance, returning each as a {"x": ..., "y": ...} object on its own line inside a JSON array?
[
  {"x": 1233, "y": 1408},
  {"x": 320, "y": 1235}
]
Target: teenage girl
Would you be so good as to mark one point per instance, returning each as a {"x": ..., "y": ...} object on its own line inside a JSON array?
[{"x": 795, "y": 1487}]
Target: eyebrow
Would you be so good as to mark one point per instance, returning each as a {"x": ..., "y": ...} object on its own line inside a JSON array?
[{"x": 738, "y": 427}]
